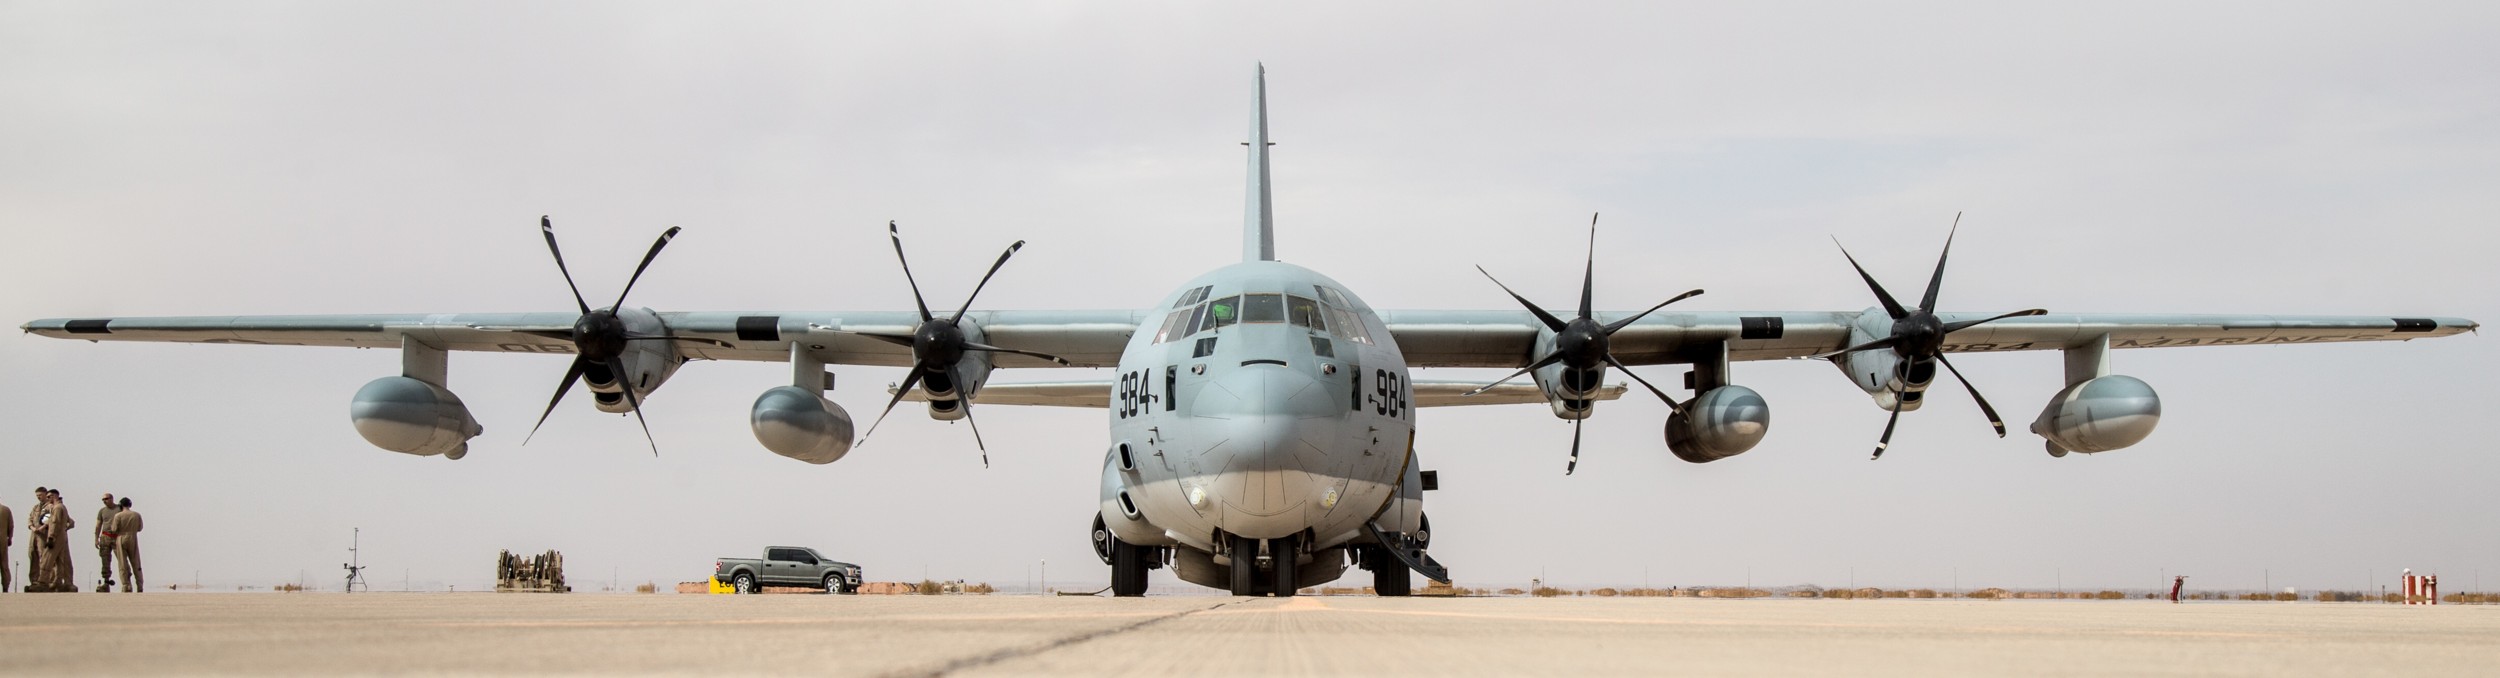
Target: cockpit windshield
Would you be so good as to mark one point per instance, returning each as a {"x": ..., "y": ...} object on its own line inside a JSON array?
[
  {"x": 1263, "y": 308},
  {"x": 1306, "y": 313}
]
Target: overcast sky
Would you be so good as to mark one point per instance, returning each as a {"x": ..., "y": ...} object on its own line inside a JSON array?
[{"x": 224, "y": 158}]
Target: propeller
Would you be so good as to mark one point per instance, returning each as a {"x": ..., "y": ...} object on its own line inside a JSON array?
[
  {"x": 1918, "y": 336},
  {"x": 599, "y": 337},
  {"x": 1580, "y": 344},
  {"x": 938, "y": 343}
]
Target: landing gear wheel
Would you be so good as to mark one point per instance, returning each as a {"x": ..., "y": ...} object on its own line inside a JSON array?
[
  {"x": 1129, "y": 563},
  {"x": 1390, "y": 578},
  {"x": 1281, "y": 570},
  {"x": 744, "y": 583},
  {"x": 1245, "y": 566}
]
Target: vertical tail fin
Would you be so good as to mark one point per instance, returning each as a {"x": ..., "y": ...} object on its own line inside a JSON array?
[{"x": 1258, "y": 227}]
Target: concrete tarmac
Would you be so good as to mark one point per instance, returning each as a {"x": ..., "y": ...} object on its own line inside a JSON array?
[{"x": 1200, "y": 636}]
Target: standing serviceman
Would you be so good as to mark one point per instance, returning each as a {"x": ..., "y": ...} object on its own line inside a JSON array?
[
  {"x": 8, "y": 533},
  {"x": 64, "y": 572},
  {"x": 39, "y": 542},
  {"x": 126, "y": 544},
  {"x": 104, "y": 544}
]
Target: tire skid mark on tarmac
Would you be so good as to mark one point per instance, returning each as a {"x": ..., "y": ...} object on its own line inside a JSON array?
[
  {"x": 1030, "y": 650},
  {"x": 578, "y": 623},
  {"x": 2011, "y": 630}
]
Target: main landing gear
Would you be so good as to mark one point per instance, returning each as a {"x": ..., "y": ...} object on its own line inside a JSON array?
[{"x": 1129, "y": 562}]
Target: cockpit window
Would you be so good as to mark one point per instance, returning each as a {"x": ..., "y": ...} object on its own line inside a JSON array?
[
  {"x": 1333, "y": 297},
  {"x": 1221, "y": 312},
  {"x": 1305, "y": 312},
  {"x": 1175, "y": 326},
  {"x": 1192, "y": 297},
  {"x": 1263, "y": 308},
  {"x": 1349, "y": 326}
]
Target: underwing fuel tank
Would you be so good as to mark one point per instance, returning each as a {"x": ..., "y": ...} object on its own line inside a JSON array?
[
  {"x": 411, "y": 416},
  {"x": 796, "y": 423},
  {"x": 1722, "y": 423},
  {"x": 2103, "y": 414}
]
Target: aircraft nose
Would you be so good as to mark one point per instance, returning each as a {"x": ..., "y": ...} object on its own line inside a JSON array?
[{"x": 1275, "y": 422}]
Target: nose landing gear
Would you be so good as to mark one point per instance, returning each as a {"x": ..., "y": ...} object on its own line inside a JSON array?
[{"x": 1276, "y": 555}]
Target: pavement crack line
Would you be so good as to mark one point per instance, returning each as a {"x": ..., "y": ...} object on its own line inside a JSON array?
[{"x": 978, "y": 661}]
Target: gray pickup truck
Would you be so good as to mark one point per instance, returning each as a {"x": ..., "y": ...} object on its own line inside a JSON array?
[{"x": 787, "y": 566}]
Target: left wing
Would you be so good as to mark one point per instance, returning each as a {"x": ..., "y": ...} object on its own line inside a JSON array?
[{"x": 1085, "y": 338}]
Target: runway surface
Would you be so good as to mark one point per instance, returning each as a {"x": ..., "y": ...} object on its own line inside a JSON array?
[{"x": 1029, "y": 635}]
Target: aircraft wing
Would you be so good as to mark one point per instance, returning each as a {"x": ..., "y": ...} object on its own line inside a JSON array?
[
  {"x": 1097, "y": 393},
  {"x": 1085, "y": 338},
  {"x": 1506, "y": 339}
]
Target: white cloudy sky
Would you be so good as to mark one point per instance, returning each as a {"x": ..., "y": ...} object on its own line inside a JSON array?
[{"x": 197, "y": 159}]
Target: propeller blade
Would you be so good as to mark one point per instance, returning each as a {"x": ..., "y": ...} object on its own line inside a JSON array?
[
  {"x": 909, "y": 381},
  {"x": 1588, "y": 277},
  {"x": 1993, "y": 419},
  {"x": 548, "y": 227},
  {"x": 1890, "y": 306},
  {"x": 1953, "y": 327},
  {"x": 969, "y": 346},
  {"x": 618, "y": 368},
  {"x": 571, "y": 375},
  {"x": 1575, "y": 446},
  {"x": 903, "y": 340},
  {"x": 1549, "y": 359},
  {"x": 897, "y": 233},
  {"x": 1886, "y": 441},
  {"x": 1551, "y": 322},
  {"x": 665, "y": 236},
  {"x": 976, "y": 433},
  {"x": 985, "y": 280},
  {"x": 1928, "y": 303},
  {"x": 1620, "y": 324},
  {"x": 1627, "y": 371},
  {"x": 1885, "y": 342}
]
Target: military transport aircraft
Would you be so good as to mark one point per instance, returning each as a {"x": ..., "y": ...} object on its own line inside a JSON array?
[{"x": 1262, "y": 420}]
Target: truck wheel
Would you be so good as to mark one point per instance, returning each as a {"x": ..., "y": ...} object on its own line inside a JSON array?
[
  {"x": 745, "y": 583},
  {"x": 833, "y": 583}
]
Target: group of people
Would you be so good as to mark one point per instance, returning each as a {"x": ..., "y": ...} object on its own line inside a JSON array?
[{"x": 48, "y": 551}]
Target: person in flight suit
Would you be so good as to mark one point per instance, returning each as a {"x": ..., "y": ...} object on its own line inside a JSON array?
[
  {"x": 104, "y": 544},
  {"x": 8, "y": 533},
  {"x": 126, "y": 528},
  {"x": 64, "y": 573},
  {"x": 39, "y": 542}
]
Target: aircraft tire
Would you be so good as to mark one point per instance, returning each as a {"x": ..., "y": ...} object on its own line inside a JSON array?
[
  {"x": 1245, "y": 566},
  {"x": 1128, "y": 569},
  {"x": 1390, "y": 578},
  {"x": 1281, "y": 580}
]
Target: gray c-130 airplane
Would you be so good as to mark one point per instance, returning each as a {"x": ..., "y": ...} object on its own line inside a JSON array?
[{"x": 1262, "y": 419}]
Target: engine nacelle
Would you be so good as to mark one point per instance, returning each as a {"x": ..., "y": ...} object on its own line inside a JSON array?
[
  {"x": 800, "y": 424},
  {"x": 1723, "y": 423},
  {"x": 411, "y": 416},
  {"x": 2099, "y": 415}
]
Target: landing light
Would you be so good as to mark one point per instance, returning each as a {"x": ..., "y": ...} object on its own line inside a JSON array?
[
  {"x": 1329, "y": 500},
  {"x": 1198, "y": 496}
]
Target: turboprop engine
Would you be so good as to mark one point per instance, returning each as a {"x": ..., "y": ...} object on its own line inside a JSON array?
[
  {"x": 2099, "y": 415},
  {"x": 795, "y": 423},
  {"x": 411, "y": 416},
  {"x": 1722, "y": 423}
]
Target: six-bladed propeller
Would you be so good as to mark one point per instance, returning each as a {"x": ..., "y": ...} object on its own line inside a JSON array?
[
  {"x": 599, "y": 336},
  {"x": 1580, "y": 343},
  {"x": 939, "y": 343},
  {"x": 1918, "y": 336}
]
